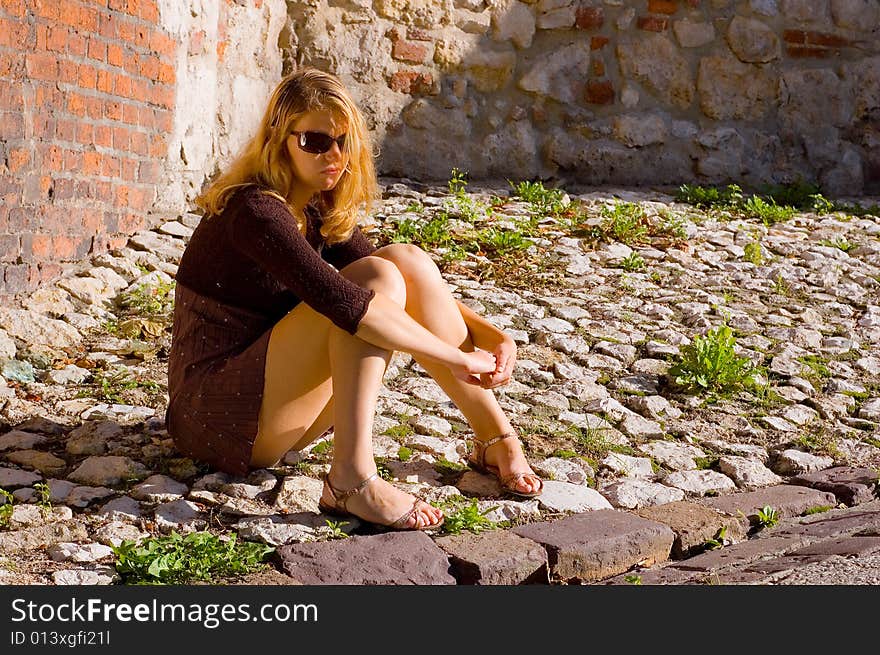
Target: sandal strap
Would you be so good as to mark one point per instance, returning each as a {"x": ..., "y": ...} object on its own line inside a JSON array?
[
  {"x": 514, "y": 477},
  {"x": 480, "y": 447},
  {"x": 402, "y": 521},
  {"x": 341, "y": 497}
]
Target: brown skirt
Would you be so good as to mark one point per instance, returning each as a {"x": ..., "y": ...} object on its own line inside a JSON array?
[{"x": 216, "y": 375}]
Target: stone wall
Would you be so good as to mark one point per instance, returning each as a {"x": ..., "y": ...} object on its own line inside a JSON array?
[
  {"x": 643, "y": 92},
  {"x": 112, "y": 115}
]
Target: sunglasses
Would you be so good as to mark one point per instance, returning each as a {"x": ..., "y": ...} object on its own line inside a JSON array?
[{"x": 318, "y": 143}]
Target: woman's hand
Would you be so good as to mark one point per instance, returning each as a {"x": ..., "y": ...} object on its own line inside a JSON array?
[
  {"x": 473, "y": 366},
  {"x": 505, "y": 358}
]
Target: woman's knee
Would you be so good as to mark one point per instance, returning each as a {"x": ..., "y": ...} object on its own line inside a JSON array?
[
  {"x": 414, "y": 263},
  {"x": 380, "y": 274}
]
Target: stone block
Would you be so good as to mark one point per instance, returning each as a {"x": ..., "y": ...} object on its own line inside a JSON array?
[
  {"x": 849, "y": 484},
  {"x": 497, "y": 557}
]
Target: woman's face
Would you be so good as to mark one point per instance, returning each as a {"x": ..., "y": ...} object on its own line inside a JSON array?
[{"x": 317, "y": 171}]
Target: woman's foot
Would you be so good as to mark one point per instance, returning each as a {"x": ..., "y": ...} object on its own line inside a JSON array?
[
  {"x": 374, "y": 500},
  {"x": 503, "y": 456}
]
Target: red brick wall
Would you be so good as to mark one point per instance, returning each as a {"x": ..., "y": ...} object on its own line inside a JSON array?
[{"x": 86, "y": 96}]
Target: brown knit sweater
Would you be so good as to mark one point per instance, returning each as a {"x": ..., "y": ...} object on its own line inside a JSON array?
[{"x": 254, "y": 257}]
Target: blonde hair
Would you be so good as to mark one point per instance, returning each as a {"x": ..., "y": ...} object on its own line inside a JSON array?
[{"x": 265, "y": 160}]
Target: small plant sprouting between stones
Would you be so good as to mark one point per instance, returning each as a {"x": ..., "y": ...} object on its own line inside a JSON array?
[
  {"x": 444, "y": 467},
  {"x": 149, "y": 300},
  {"x": 633, "y": 579},
  {"x": 382, "y": 469},
  {"x": 544, "y": 202},
  {"x": 767, "y": 517},
  {"x": 44, "y": 496},
  {"x": 178, "y": 559},
  {"x": 632, "y": 263},
  {"x": 334, "y": 529},
  {"x": 840, "y": 243},
  {"x": 404, "y": 454},
  {"x": 110, "y": 384},
  {"x": 819, "y": 509},
  {"x": 6, "y": 508},
  {"x": 709, "y": 363},
  {"x": 466, "y": 516},
  {"x": 753, "y": 253},
  {"x": 719, "y": 540}
]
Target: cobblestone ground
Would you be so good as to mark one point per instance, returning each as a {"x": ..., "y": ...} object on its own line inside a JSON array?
[{"x": 604, "y": 292}]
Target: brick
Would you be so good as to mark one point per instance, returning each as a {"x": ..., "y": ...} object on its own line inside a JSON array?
[
  {"x": 163, "y": 96},
  {"x": 103, "y": 136},
  {"x": 68, "y": 72},
  {"x": 108, "y": 25},
  {"x": 76, "y": 104},
  {"x": 64, "y": 189},
  {"x": 94, "y": 107},
  {"x": 139, "y": 144},
  {"x": 130, "y": 170},
  {"x": 105, "y": 81},
  {"x": 668, "y": 7},
  {"x": 118, "y": 5},
  {"x": 115, "y": 56},
  {"x": 412, "y": 82},
  {"x": 92, "y": 220},
  {"x": 167, "y": 74},
  {"x": 17, "y": 159},
  {"x": 140, "y": 91},
  {"x": 10, "y": 247},
  {"x": 102, "y": 191},
  {"x": 110, "y": 166},
  {"x": 97, "y": 49},
  {"x": 589, "y": 18},
  {"x": 87, "y": 19},
  {"x": 599, "y": 42},
  {"x": 163, "y": 45},
  {"x": 158, "y": 146},
  {"x": 148, "y": 172},
  {"x": 56, "y": 40},
  {"x": 87, "y": 76},
  {"x": 65, "y": 129},
  {"x": 409, "y": 52},
  {"x": 122, "y": 85},
  {"x": 130, "y": 223},
  {"x": 15, "y": 278},
  {"x": 802, "y": 37},
  {"x": 598, "y": 68},
  {"x": 113, "y": 110},
  {"x": 148, "y": 10},
  {"x": 77, "y": 45},
  {"x": 599, "y": 92},
  {"x": 11, "y": 125},
  {"x": 801, "y": 52},
  {"x": 40, "y": 66},
  {"x": 72, "y": 160},
  {"x": 652, "y": 23},
  {"x": 91, "y": 163},
  {"x": 85, "y": 133},
  {"x": 53, "y": 158},
  {"x": 148, "y": 66},
  {"x": 121, "y": 138}
]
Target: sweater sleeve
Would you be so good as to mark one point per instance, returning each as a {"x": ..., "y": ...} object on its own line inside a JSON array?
[
  {"x": 265, "y": 231},
  {"x": 343, "y": 254}
]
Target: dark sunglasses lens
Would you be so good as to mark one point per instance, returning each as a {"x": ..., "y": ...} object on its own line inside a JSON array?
[{"x": 318, "y": 142}]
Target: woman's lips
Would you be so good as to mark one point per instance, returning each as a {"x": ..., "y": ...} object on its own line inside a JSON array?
[{"x": 330, "y": 171}]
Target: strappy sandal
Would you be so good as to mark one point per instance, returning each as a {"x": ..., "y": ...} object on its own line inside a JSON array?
[
  {"x": 341, "y": 497},
  {"x": 477, "y": 461}
]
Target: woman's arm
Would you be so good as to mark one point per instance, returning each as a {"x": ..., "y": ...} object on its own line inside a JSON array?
[
  {"x": 387, "y": 325},
  {"x": 486, "y": 336}
]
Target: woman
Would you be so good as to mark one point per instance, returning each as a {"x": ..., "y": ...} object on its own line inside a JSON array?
[{"x": 286, "y": 316}]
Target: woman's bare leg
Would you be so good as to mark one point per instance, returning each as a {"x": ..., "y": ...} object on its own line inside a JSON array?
[
  {"x": 430, "y": 302},
  {"x": 317, "y": 375}
]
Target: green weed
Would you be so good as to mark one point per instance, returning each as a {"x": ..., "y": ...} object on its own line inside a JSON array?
[
  {"x": 633, "y": 579},
  {"x": 633, "y": 262},
  {"x": 404, "y": 454},
  {"x": 401, "y": 431},
  {"x": 768, "y": 212},
  {"x": 767, "y": 517},
  {"x": 6, "y": 508},
  {"x": 43, "y": 496},
  {"x": 753, "y": 253},
  {"x": 840, "y": 243},
  {"x": 466, "y": 516},
  {"x": 335, "y": 529},
  {"x": 109, "y": 385},
  {"x": 709, "y": 363},
  {"x": 719, "y": 540},
  {"x": 177, "y": 559},
  {"x": 817, "y": 510},
  {"x": 626, "y": 222},
  {"x": 544, "y": 202},
  {"x": 149, "y": 300},
  {"x": 445, "y": 467}
]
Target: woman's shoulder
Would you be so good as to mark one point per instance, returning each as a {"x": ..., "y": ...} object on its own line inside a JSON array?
[{"x": 260, "y": 201}]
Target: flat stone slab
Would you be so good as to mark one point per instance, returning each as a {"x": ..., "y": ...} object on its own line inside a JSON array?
[
  {"x": 567, "y": 497},
  {"x": 739, "y": 554},
  {"x": 787, "y": 500},
  {"x": 394, "y": 558},
  {"x": 40, "y": 536},
  {"x": 835, "y": 523},
  {"x": 496, "y": 557},
  {"x": 694, "y": 525},
  {"x": 851, "y": 485},
  {"x": 631, "y": 493},
  {"x": 599, "y": 544}
]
